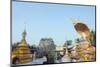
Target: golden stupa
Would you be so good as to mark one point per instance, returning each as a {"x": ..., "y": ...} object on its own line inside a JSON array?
[{"x": 22, "y": 52}]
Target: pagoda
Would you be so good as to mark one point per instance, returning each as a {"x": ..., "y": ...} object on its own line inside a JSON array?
[{"x": 22, "y": 54}]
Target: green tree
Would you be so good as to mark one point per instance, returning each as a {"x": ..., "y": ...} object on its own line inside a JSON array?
[{"x": 93, "y": 37}]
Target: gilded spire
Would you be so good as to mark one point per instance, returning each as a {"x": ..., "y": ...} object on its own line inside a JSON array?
[{"x": 24, "y": 34}]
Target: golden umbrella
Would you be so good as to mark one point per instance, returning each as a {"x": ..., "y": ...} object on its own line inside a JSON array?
[{"x": 83, "y": 30}]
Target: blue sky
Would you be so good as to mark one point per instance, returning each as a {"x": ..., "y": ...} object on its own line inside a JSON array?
[{"x": 48, "y": 21}]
